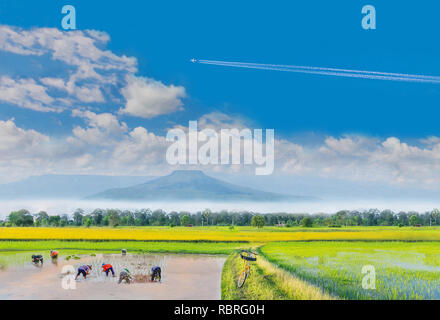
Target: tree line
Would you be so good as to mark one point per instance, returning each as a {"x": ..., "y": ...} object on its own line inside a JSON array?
[{"x": 147, "y": 217}]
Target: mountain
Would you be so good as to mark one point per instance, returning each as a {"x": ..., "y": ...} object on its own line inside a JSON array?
[
  {"x": 190, "y": 185},
  {"x": 65, "y": 186}
]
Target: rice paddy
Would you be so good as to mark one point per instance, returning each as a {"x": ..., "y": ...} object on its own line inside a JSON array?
[
  {"x": 236, "y": 234},
  {"x": 116, "y": 246},
  {"x": 139, "y": 265},
  {"x": 402, "y": 270},
  {"x": 296, "y": 263}
]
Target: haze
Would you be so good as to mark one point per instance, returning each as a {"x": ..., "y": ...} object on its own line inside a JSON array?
[{"x": 69, "y": 206}]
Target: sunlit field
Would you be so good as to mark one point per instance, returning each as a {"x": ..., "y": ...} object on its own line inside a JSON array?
[
  {"x": 266, "y": 283},
  {"x": 403, "y": 270},
  {"x": 235, "y": 234},
  {"x": 296, "y": 262},
  {"x": 41, "y": 247}
]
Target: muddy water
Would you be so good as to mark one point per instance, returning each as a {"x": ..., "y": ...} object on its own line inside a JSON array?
[{"x": 184, "y": 277}]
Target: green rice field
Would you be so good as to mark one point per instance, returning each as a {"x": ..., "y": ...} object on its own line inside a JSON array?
[{"x": 403, "y": 270}]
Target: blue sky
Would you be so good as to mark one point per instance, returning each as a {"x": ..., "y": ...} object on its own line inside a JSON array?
[
  {"x": 165, "y": 35},
  {"x": 306, "y": 110}
]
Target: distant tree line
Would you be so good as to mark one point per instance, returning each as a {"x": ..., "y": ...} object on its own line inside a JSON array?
[{"x": 146, "y": 217}]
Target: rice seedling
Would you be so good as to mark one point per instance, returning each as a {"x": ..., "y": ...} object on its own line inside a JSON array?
[
  {"x": 140, "y": 265},
  {"x": 402, "y": 270},
  {"x": 115, "y": 246}
]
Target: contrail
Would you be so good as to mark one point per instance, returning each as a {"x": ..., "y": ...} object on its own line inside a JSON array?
[{"x": 327, "y": 71}]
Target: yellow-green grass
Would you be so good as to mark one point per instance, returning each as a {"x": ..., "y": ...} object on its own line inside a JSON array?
[
  {"x": 265, "y": 282},
  {"x": 237, "y": 234},
  {"x": 403, "y": 270},
  {"x": 22, "y": 258},
  {"x": 116, "y": 246}
]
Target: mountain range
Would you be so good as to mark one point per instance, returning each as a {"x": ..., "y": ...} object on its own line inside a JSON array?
[
  {"x": 190, "y": 185},
  {"x": 55, "y": 186}
]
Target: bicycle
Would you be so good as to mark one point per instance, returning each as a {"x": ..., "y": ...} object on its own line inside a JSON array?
[{"x": 247, "y": 256}]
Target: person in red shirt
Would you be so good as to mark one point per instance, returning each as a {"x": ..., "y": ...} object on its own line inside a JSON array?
[
  {"x": 54, "y": 254},
  {"x": 107, "y": 268}
]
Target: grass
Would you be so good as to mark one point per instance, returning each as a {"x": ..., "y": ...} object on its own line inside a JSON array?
[
  {"x": 23, "y": 258},
  {"x": 265, "y": 282},
  {"x": 216, "y": 234},
  {"x": 403, "y": 270},
  {"x": 116, "y": 246}
]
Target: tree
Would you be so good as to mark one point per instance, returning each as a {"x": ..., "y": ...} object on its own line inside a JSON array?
[
  {"x": 173, "y": 217},
  {"x": 341, "y": 217},
  {"x": 21, "y": 218},
  {"x": 435, "y": 214},
  {"x": 113, "y": 218},
  {"x": 42, "y": 219},
  {"x": 78, "y": 217},
  {"x": 97, "y": 216},
  {"x": 386, "y": 218},
  {"x": 88, "y": 222},
  {"x": 55, "y": 221},
  {"x": 206, "y": 214},
  {"x": 402, "y": 218},
  {"x": 413, "y": 220},
  {"x": 140, "y": 218},
  {"x": 64, "y": 220},
  {"x": 184, "y": 220},
  {"x": 258, "y": 221},
  {"x": 307, "y": 222}
]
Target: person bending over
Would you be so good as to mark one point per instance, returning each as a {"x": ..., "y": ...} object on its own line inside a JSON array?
[
  {"x": 37, "y": 258},
  {"x": 125, "y": 275},
  {"x": 84, "y": 270},
  {"x": 107, "y": 268},
  {"x": 54, "y": 255},
  {"x": 156, "y": 274}
]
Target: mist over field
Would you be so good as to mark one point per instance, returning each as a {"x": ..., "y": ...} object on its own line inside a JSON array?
[{"x": 58, "y": 206}]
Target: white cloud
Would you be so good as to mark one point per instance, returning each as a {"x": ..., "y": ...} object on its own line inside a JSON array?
[
  {"x": 26, "y": 93},
  {"x": 148, "y": 98},
  {"x": 348, "y": 146},
  {"x": 89, "y": 69},
  {"x": 87, "y": 93},
  {"x": 17, "y": 143},
  {"x": 104, "y": 146},
  {"x": 141, "y": 149},
  {"x": 107, "y": 146},
  {"x": 92, "y": 74},
  {"x": 355, "y": 158},
  {"x": 76, "y": 48},
  {"x": 218, "y": 120},
  {"x": 102, "y": 128}
]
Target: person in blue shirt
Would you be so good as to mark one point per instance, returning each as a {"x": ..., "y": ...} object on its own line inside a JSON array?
[
  {"x": 84, "y": 270},
  {"x": 156, "y": 273}
]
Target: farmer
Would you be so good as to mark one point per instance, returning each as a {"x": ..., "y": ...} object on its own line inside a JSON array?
[
  {"x": 54, "y": 255},
  {"x": 155, "y": 274},
  {"x": 106, "y": 268},
  {"x": 125, "y": 275},
  {"x": 37, "y": 258},
  {"x": 84, "y": 270}
]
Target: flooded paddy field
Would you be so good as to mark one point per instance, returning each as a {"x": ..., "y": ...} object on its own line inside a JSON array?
[
  {"x": 183, "y": 277},
  {"x": 364, "y": 270}
]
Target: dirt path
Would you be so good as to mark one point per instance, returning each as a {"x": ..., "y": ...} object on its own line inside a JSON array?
[{"x": 185, "y": 277}]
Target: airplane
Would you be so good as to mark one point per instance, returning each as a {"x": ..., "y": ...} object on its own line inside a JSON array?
[{"x": 193, "y": 60}]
